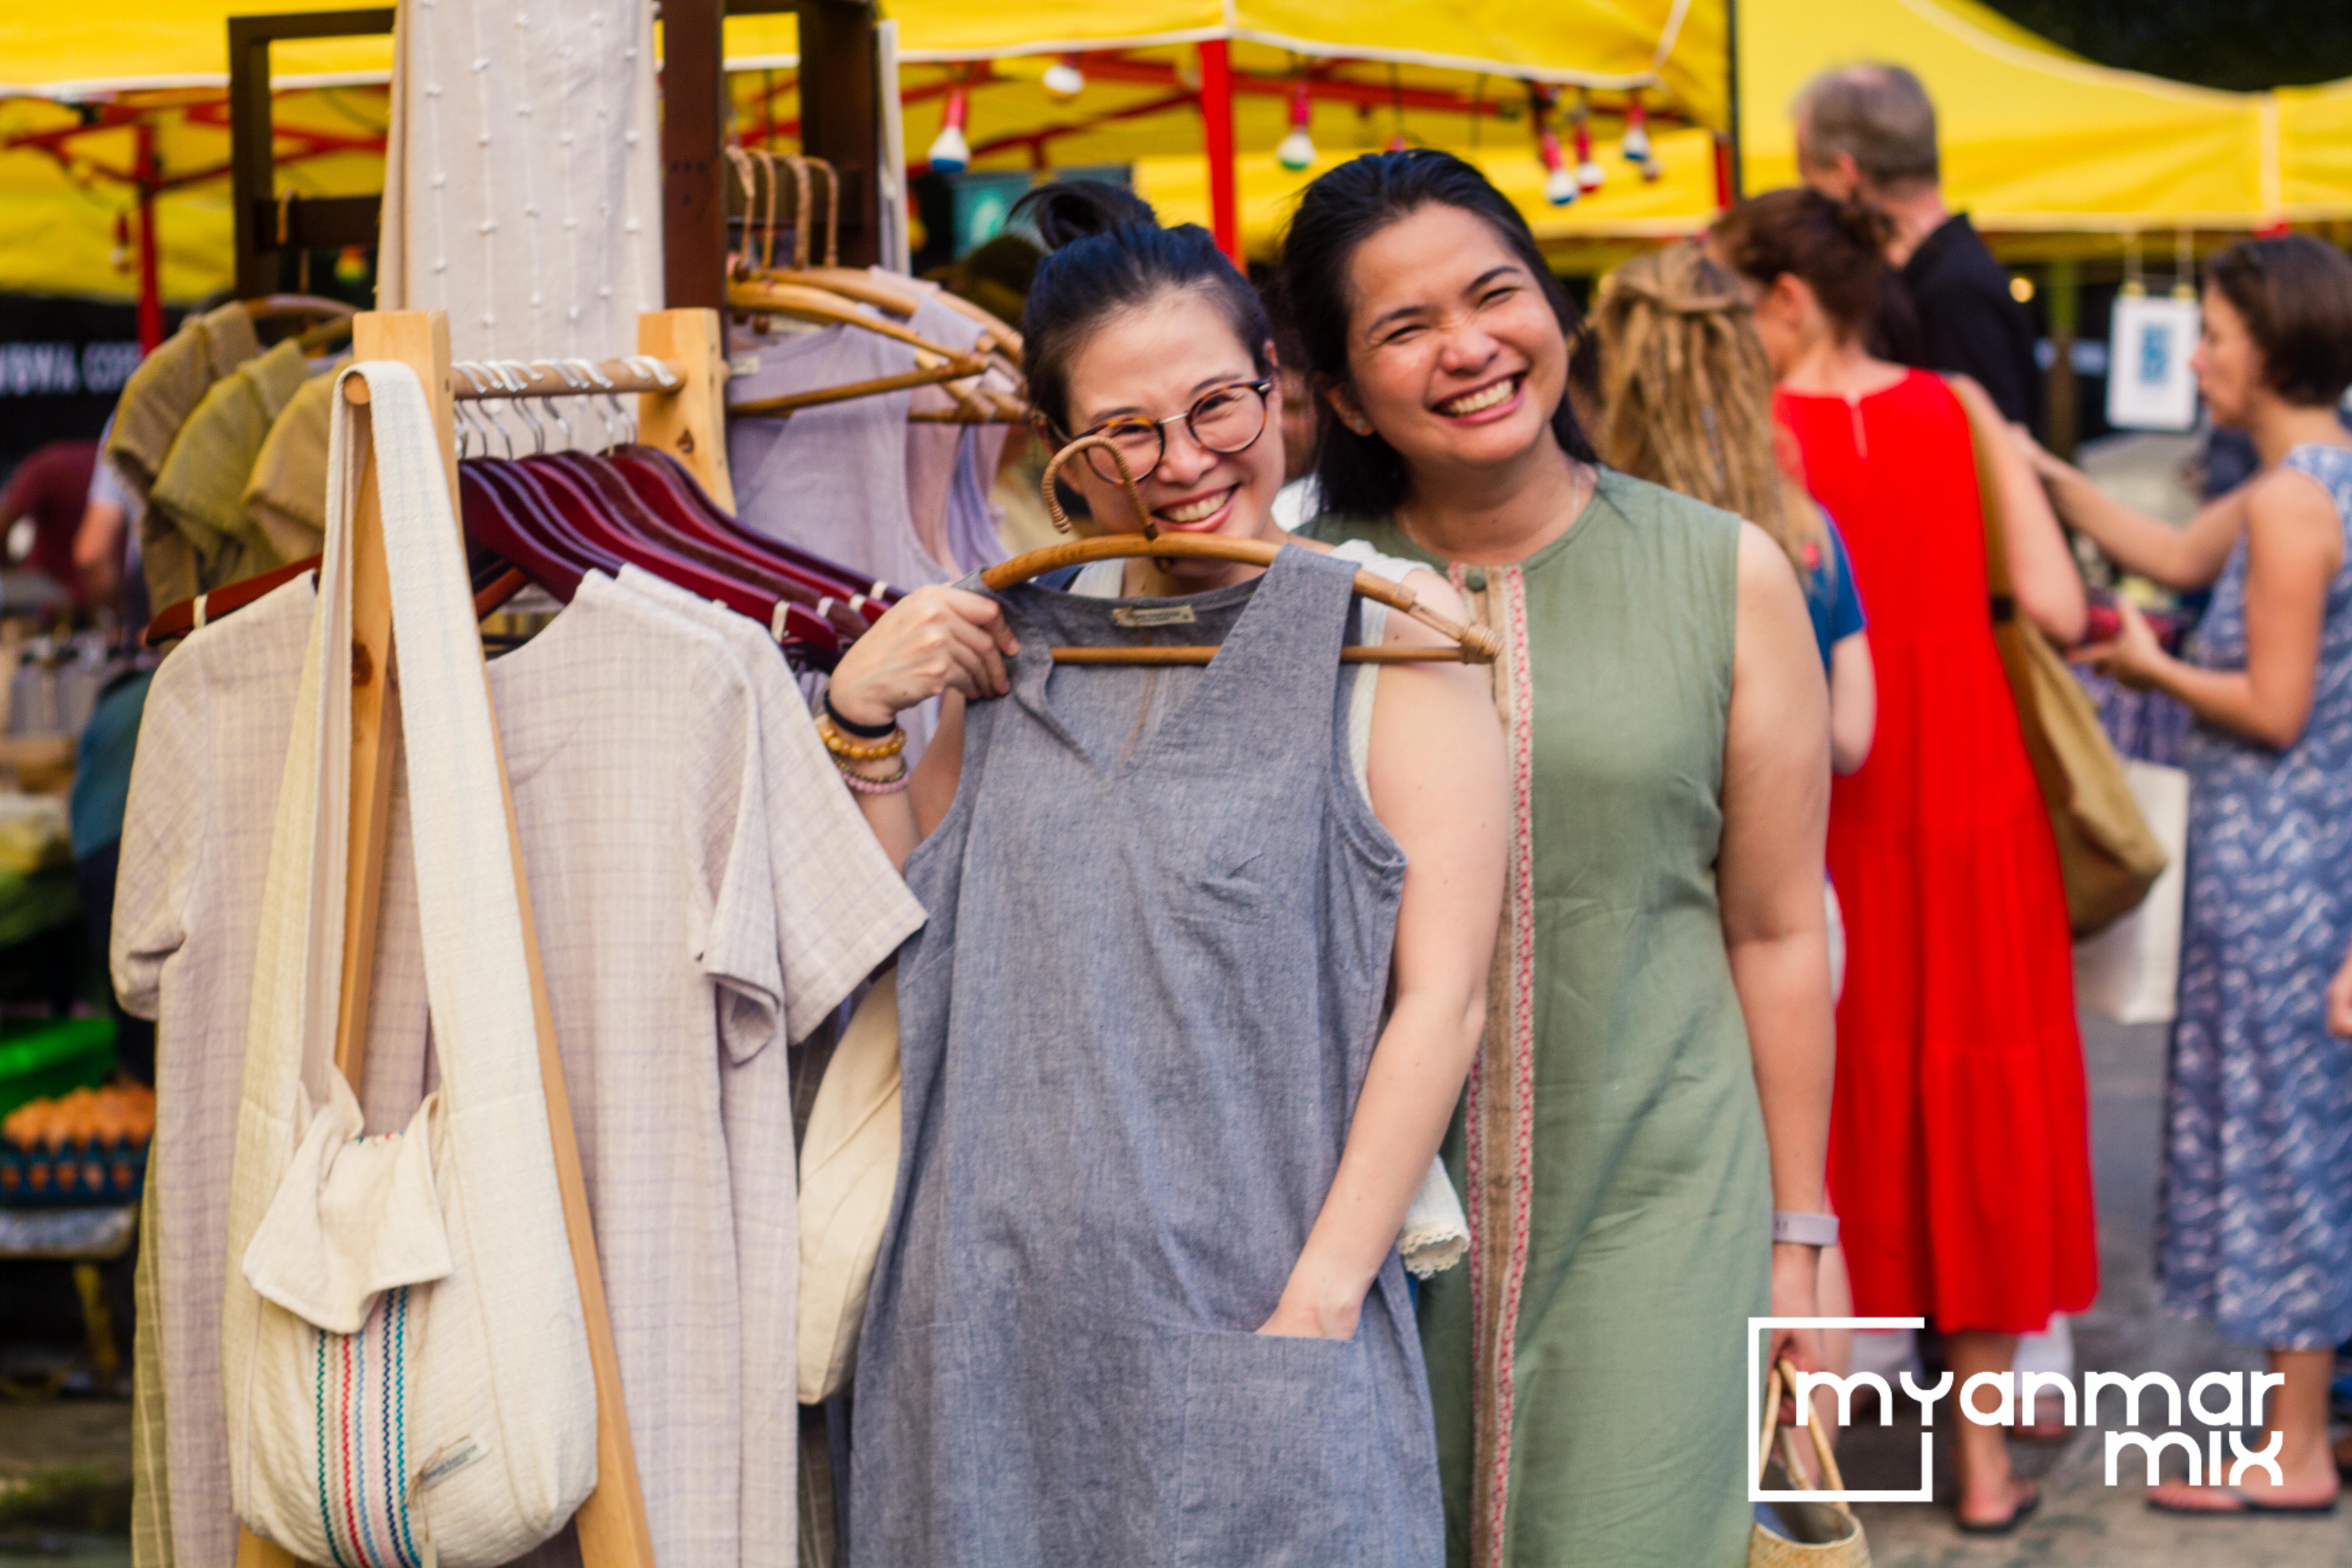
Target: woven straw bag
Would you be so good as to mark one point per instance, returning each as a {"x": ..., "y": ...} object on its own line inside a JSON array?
[{"x": 1823, "y": 1534}]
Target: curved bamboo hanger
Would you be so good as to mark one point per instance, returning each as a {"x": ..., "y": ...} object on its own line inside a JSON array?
[{"x": 1472, "y": 643}]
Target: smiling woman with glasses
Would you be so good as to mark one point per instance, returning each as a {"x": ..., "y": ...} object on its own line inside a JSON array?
[{"x": 1204, "y": 968}]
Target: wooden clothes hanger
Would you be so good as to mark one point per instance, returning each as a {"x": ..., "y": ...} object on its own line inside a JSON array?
[
  {"x": 189, "y": 615},
  {"x": 1472, "y": 643},
  {"x": 800, "y": 291},
  {"x": 280, "y": 307}
]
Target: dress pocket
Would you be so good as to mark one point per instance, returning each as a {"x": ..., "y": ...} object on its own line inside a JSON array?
[{"x": 1278, "y": 1452}]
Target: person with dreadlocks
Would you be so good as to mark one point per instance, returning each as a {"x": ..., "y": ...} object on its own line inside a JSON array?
[{"x": 1686, "y": 403}]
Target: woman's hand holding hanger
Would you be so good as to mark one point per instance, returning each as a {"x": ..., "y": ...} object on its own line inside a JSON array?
[
  {"x": 932, "y": 641},
  {"x": 948, "y": 643}
]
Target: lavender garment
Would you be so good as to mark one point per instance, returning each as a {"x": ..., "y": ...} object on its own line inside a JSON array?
[{"x": 831, "y": 479}]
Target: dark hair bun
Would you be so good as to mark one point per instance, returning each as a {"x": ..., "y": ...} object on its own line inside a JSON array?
[
  {"x": 1071, "y": 210},
  {"x": 1868, "y": 226}
]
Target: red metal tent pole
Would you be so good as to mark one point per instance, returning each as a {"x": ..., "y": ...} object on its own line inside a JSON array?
[
  {"x": 1217, "y": 137},
  {"x": 151, "y": 289}
]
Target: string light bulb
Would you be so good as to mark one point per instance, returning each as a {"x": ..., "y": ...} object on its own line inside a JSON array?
[
  {"x": 1588, "y": 172},
  {"x": 1636, "y": 146},
  {"x": 1560, "y": 186},
  {"x": 951, "y": 154},
  {"x": 1297, "y": 151},
  {"x": 1064, "y": 80}
]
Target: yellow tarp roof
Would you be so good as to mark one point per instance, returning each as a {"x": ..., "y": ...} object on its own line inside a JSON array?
[
  {"x": 2034, "y": 137},
  {"x": 97, "y": 45},
  {"x": 1598, "y": 43}
]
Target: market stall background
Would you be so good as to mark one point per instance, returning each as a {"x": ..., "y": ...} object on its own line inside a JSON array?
[{"x": 114, "y": 133}]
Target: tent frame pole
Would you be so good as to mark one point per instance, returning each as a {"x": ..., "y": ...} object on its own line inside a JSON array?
[{"x": 1217, "y": 143}]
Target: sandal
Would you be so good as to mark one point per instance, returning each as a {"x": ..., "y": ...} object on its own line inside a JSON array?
[
  {"x": 2017, "y": 1515},
  {"x": 2244, "y": 1506}
]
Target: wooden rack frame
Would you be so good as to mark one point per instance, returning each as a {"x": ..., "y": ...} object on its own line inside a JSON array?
[
  {"x": 262, "y": 226},
  {"x": 612, "y": 1529}
]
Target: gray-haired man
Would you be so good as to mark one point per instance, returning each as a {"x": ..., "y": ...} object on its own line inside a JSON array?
[{"x": 1869, "y": 130}]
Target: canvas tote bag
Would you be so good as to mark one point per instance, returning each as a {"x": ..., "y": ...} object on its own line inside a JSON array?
[
  {"x": 2131, "y": 971},
  {"x": 402, "y": 1350},
  {"x": 2106, "y": 854}
]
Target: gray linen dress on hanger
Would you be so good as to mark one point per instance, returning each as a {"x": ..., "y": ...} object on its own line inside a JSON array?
[{"x": 1132, "y": 1035}]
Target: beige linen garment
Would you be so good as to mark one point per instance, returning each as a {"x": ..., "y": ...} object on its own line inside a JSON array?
[
  {"x": 678, "y": 928},
  {"x": 806, "y": 804},
  {"x": 522, "y": 184},
  {"x": 187, "y": 915}
]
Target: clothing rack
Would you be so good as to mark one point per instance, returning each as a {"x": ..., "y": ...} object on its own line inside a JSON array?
[{"x": 679, "y": 404}]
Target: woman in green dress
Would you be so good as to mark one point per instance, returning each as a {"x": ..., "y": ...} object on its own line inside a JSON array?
[{"x": 1650, "y": 1109}]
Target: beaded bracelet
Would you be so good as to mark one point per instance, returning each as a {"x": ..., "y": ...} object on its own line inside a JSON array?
[
  {"x": 861, "y": 785},
  {"x": 840, "y": 745}
]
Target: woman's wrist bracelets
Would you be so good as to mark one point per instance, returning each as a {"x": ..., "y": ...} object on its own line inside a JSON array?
[
  {"x": 846, "y": 747},
  {"x": 1805, "y": 1229},
  {"x": 860, "y": 784}
]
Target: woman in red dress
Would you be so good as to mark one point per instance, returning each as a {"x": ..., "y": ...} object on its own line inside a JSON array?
[{"x": 1959, "y": 1137}]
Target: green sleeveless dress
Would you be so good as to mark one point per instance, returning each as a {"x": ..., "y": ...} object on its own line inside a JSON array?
[{"x": 1588, "y": 1364}]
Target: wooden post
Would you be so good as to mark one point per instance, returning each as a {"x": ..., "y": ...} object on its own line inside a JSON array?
[
  {"x": 694, "y": 163},
  {"x": 690, "y": 423},
  {"x": 840, "y": 117}
]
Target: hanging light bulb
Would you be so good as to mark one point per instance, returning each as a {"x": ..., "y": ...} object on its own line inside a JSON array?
[
  {"x": 1588, "y": 172},
  {"x": 1296, "y": 150},
  {"x": 949, "y": 151},
  {"x": 1559, "y": 180},
  {"x": 1064, "y": 80},
  {"x": 1636, "y": 148}
]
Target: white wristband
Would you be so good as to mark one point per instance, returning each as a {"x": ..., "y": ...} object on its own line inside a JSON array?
[{"x": 1805, "y": 1229}]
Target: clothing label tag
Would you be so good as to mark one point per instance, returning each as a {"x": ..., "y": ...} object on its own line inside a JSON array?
[
  {"x": 445, "y": 1464},
  {"x": 1166, "y": 615}
]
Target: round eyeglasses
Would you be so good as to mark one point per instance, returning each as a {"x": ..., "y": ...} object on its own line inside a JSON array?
[{"x": 1223, "y": 420}]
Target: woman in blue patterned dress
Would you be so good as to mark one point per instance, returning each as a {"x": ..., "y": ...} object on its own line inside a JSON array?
[{"x": 2256, "y": 1223}]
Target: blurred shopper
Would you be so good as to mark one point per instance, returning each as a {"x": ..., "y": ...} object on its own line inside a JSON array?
[
  {"x": 2256, "y": 1226},
  {"x": 1959, "y": 1155},
  {"x": 1686, "y": 403},
  {"x": 1627, "y": 1137},
  {"x": 49, "y": 489},
  {"x": 1869, "y": 130}
]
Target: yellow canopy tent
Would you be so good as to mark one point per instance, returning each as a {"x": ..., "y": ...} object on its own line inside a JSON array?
[
  {"x": 2035, "y": 139},
  {"x": 82, "y": 86},
  {"x": 1466, "y": 85}
]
